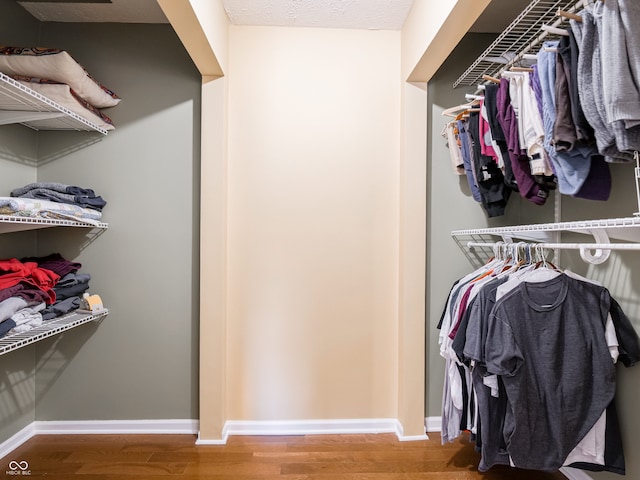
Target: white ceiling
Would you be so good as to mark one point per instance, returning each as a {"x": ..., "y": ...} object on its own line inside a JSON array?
[
  {"x": 367, "y": 14},
  {"x": 360, "y": 14}
]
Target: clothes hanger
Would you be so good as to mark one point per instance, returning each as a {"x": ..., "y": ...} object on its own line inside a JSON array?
[
  {"x": 454, "y": 111},
  {"x": 555, "y": 30},
  {"x": 517, "y": 254},
  {"x": 569, "y": 15},
  {"x": 489, "y": 78},
  {"x": 521, "y": 69}
]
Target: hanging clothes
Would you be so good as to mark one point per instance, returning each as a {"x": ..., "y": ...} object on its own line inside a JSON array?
[
  {"x": 497, "y": 134},
  {"x": 585, "y": 92},
  {"x": 453, "y": 143},
  {"x": 465, "y": 150},
  {"x": 620, "y": 40},
  {"x": 590, "y": 87},
  {"x": 527, "y": 186},
  {"x": 489, "y": 177},
  {"x": 573, "y": 163},
  {"x": 549, "y": 347},
  {"x": 535, "y": 347}
]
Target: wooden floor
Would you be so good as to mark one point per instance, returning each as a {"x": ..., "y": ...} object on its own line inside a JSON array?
[{"x": 316, "y": 457}]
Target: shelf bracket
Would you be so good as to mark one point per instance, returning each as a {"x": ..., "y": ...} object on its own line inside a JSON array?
[{"x": 598, "y": 255}]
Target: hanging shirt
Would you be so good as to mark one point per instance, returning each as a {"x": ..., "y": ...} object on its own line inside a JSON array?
[
  {"x": 490, "y": 179},
  {"x": 620, "y": 41},
  {"x": 497, "y": 134},
  {"x": 455, "y": 155},
  {"x": 527, "y": 186},
  {"x": 590, "y": 86},
  {"x": 465, "y": 151},
  {"x": 547, "y": 342}
]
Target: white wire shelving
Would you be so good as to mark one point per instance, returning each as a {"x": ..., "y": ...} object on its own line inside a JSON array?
[
  {"x": 545, "y": 235},
  {"x": 15, "y": 223},
  {"x": 49, "y": 328},
  {"x": 20, "y": 104},
  {"x": 11, "y": 342},
  {"x": 521, "y": 37}
]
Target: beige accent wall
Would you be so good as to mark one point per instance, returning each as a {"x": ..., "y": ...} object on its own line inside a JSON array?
[
  {"x": 313, "y": 221},
  {"x": 317, "y": 255}
]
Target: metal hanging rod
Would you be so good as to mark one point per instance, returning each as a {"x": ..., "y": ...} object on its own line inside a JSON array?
[{"x": 594, "y": 253}]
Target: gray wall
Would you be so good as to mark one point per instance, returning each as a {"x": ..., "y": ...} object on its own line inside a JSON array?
[
  {"x": 18, "y": 158},
  {"x": 141, "y": 361},
  {"x": 451, "y": 207}
]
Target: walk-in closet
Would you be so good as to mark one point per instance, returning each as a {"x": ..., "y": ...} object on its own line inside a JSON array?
[{"x": 285, "y": 226}]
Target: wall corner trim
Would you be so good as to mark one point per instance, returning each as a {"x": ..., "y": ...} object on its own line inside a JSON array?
[{"x": 16, "y": 440}]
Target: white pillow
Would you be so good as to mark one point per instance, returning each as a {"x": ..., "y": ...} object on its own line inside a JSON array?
[{"x": 57, "y": 65}]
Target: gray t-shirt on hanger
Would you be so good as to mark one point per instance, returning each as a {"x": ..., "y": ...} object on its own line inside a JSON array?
[{"x": 547, "y": 342}]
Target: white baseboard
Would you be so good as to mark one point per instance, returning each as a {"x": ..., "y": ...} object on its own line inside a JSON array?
[
  {"x": 312, "y": 427},
  {"x": 124, "y": 427},
  {"x": 191, "y": 427},
  {"x": 433, "y": 424},
  {"x": 13, "y": 442}
]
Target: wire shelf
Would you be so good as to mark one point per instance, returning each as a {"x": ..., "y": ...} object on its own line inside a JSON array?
[
  {"x": 626, "y": 229},
  {"x": 519, "y": 38},
  {"x": 20, "y": 104},
  {"x": 49, "y": 328},
  {"x": 15, "y": 223},
  {"x": 574, "y": 226}
]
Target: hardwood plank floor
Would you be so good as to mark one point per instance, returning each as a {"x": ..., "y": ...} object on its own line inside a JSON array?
[{"x": 305, "y": 457}]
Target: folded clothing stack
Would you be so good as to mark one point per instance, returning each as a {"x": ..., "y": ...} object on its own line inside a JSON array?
[
  {"x": 36, "y": 289},
  {"x": 61, "y": 193}
]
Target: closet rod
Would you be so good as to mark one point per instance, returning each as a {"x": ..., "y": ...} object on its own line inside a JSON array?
[
  {"x": 562, "y": 246},
  {"x": 601, "y": 251}
]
